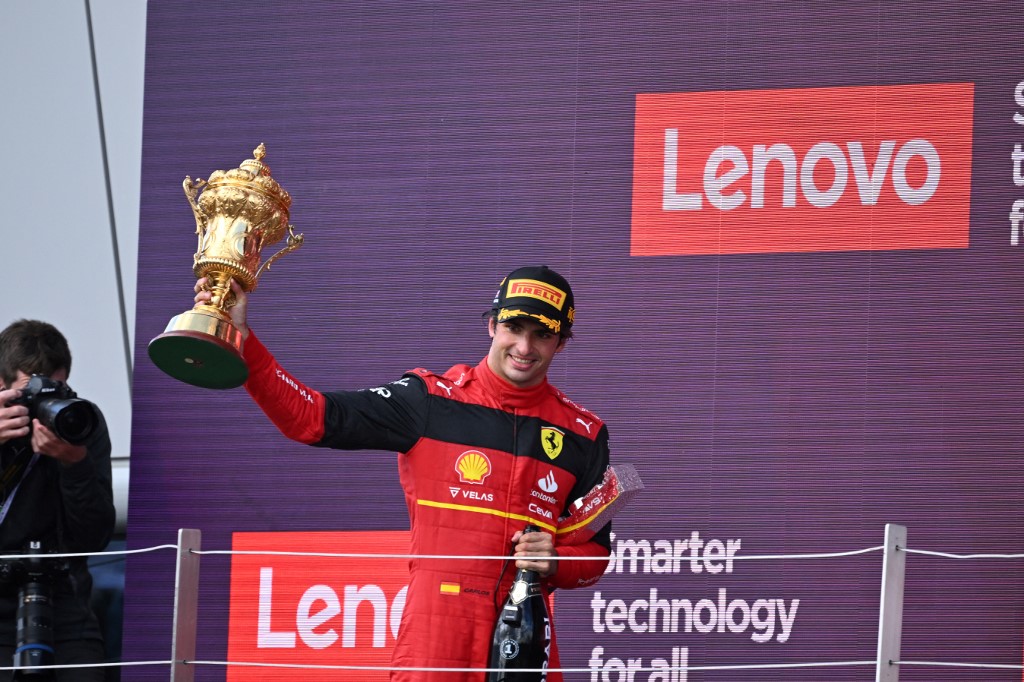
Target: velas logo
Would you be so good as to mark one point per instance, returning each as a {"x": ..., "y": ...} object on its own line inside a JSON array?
[
  {"x": 532, "y": 288},
  {"x": 819, "y": 169},
  {"x": 315, "y": 610}
]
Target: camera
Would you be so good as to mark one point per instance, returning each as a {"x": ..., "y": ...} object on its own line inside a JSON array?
[
  {"x": 58, "y": 408},
  {"x": 34, "y": 575}
]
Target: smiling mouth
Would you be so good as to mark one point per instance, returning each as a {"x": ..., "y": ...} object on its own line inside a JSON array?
[{"x": 520, "y": 361}]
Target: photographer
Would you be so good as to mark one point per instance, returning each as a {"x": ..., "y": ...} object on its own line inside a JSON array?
[{"x": 54, "y": 493}]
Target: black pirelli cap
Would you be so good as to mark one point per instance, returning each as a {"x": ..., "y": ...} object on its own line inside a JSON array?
[{"x": 539, "y": 293}]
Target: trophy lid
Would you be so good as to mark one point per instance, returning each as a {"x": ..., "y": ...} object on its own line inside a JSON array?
[
  {"x": 252, "y": 174},
  {"x": 255, "y": 164}
]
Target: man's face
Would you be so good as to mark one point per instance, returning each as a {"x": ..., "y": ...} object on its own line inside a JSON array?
[
  {"x": 21, "y": 380},
  {"x": 522, "y": 350}
]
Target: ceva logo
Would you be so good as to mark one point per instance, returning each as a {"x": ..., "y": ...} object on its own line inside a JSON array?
[{"x": 820, "y": 169}]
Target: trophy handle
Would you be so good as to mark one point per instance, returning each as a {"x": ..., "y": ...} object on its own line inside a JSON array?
[
  {"x": 294, "y": 242},
  {"x": 191, "y": 192}
]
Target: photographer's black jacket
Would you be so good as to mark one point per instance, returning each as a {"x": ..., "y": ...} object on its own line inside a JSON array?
[{"x": 68, "y": 509}]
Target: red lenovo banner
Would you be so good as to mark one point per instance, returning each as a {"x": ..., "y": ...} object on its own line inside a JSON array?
[
  {"x": 315, "y": 610},
  {"x": 817, "y": 169}
]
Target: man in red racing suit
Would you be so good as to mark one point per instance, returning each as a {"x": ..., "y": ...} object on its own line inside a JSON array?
[{"x": 483, "y": 450}]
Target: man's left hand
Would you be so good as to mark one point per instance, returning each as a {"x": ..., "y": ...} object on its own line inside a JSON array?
[
  {"x": 536, "y": 545},
  {"x": 45, "y": 442}
]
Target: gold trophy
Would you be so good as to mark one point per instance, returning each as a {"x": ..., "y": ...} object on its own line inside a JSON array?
[{"x": 238, "y": 213}]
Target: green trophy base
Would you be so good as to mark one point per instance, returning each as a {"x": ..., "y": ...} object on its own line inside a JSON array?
[{"x": 201, "y": 349}]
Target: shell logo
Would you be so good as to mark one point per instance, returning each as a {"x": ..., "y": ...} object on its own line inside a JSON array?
[{"x": 473, "y": 467}]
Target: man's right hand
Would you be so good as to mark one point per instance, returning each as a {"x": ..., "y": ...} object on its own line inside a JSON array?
[
  {"x": 13, "y": 418},
  {"x": 238, "y": 311}
]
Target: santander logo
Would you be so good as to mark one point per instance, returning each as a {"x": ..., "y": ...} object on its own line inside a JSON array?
[
  {"x": 822, "y": 169},
  {"x": 548, "y": 484}
]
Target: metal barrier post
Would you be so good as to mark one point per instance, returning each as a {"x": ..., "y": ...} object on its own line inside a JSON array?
[
  {"x": 890, "y": 619},
  {"x": 186, "y": 606}
]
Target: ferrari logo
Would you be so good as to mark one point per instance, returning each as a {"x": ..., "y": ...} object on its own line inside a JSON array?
[{"x": 551, "y": 441}]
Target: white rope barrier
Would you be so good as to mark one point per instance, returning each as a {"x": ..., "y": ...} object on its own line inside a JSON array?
[
  {"x": 946, "y": 664},
  {"x": 377, "y": 556},
  {"x": 361, "y": 555},
  {"x": 189, "y": 548},
  {"x": 68, "y": 666},
  {"x": 368, "y": 668},
  {"x": 819, "y": 555},
  {"x": 54, "y": 555},
  {"x": 383, "y": 668},
  {"x": 946, "y": 555}
]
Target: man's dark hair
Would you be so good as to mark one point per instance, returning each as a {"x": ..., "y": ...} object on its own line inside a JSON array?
[
  {"x": 32, "y": 347},
  {"x": 493, "y": 315}
]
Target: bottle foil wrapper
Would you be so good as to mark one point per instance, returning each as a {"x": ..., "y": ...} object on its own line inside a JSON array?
[{"x": 592, "y": 511}]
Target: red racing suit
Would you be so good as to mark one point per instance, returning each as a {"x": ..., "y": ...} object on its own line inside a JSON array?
[{"x": 478, "y": 459}]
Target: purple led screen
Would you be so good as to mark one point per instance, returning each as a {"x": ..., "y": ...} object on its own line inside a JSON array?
[{"x": 778, "y": 403}]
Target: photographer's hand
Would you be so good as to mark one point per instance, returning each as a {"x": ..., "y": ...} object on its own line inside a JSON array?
[
  {"x": 13, "y": 418},
  {"x": 238, "y": 311},
  {"x": 46, "y": 442}
]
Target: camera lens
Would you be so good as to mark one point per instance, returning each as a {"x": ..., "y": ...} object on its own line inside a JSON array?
[
  {"x": 72, "y": 419},
  {"x": 34, "y": 632}
]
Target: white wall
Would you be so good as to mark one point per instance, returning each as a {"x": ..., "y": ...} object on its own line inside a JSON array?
[{"x": 57, "y": 241}]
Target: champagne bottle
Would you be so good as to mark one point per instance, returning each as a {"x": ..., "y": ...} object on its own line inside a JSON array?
[{"x": 522, "y": 634}]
